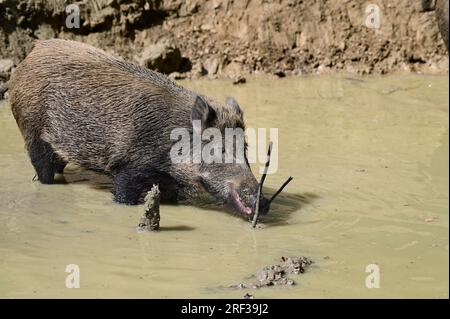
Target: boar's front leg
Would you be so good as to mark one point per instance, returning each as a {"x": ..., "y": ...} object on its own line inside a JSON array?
[
  {"x": 127, "y": 186},
  {"x": 44, "y": 159}
]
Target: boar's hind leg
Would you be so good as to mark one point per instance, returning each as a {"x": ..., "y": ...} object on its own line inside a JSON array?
[
  {"x": 44, "y": 160},
  {"x": 127, "y": 187}
]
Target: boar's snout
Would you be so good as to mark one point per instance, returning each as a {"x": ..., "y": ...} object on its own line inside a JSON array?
[{"x": 244, "y": 199}]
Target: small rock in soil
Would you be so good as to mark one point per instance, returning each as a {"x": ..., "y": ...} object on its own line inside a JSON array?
[
  {"x": 239, "y": 80},
  {"x": 280, "y": 73},
  {"x": 6, "y": 66},
  {"x": 163, "y": 57},
  {"x": 177, "y": 76}
]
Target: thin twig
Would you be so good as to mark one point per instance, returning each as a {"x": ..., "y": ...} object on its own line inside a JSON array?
[
  {"x": 255, "y": 217},
  {"x": 263, "y": 177},
  {"x": 280, "y": 189}
]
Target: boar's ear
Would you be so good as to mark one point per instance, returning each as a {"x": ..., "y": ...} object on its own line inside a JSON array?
[
  {"x": 233, "y": 104},
  {"x": 203, "y": 112}
]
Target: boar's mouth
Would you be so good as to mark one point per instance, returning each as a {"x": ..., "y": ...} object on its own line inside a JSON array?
[
  {"x": 233, "y": 199},
  {"x": 239, "y": 204}
]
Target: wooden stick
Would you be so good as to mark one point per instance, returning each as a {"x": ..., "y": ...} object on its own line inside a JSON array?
[
  {"x": 280, "y": 189},
  {"x": 266, "y": 167},
  {"x": 255, "y": 217},
  {"x": 263, "y": 178}
]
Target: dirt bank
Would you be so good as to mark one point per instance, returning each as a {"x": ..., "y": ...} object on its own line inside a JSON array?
[{"x": 226, "y": 37}]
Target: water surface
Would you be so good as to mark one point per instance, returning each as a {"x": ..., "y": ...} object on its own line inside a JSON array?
[{"x": 369, "y": 158}]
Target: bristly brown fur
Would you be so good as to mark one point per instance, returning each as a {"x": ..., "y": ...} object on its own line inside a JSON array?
[{"x": 75, "y": 103}]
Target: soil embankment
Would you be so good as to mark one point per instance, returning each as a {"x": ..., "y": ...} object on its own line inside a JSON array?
[{"x": 234, "y": 38}]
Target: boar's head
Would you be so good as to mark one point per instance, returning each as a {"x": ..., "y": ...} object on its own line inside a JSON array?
[{"x": 224, "y": 175}]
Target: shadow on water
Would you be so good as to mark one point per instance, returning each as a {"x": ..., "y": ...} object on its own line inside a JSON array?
[
  {"x": 176, "y": 228},
  {"x": 279, "y": 214},
  {"x": 284, "y": 206},
  {"x": 93, "y": 179}
]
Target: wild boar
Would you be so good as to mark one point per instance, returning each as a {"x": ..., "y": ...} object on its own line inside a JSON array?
[{"x": 75, "y": 103}]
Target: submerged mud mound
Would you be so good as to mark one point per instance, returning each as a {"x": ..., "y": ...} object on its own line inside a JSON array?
[
  {"x": 231, "y": 38},
  {"x": 278, "y": 274}
]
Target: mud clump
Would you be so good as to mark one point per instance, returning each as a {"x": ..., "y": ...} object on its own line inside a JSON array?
[
  {"x": 273, "y": 275},
  {"x": 277, "y": 274},
  {"x": 229, "y": 38},
  {"x": 150, "y": 220}
]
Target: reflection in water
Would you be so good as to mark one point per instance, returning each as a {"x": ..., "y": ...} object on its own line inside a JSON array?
[{"x": 369, "y": 157}]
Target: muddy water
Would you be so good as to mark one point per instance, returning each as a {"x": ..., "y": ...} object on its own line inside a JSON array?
[{"x": 370, "y": 162}]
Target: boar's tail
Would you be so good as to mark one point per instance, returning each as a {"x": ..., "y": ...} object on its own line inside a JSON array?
[{"x": 3, "y": 89}]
